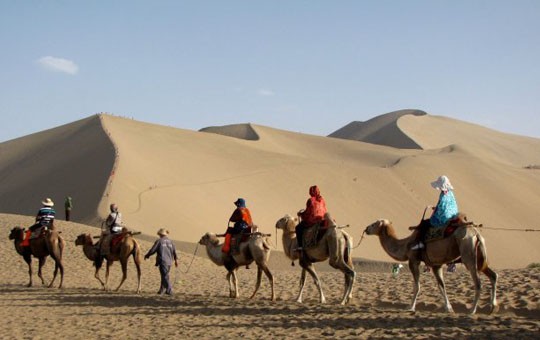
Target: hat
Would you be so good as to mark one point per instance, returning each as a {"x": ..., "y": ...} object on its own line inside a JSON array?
[
  {"x": 163, "y": 232},
  {"x": 240, "y": 202},
  {"x": 47, "y": 202},
  {"x": 442, "y": 183}
]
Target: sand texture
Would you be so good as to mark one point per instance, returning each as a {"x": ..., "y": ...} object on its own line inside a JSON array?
[{"x": 201, "y": 308}]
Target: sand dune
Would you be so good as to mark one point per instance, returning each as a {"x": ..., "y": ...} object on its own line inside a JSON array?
[
  {"x": 201, "y": 309},
  {"x": 242, "y": 131},
  {"x": 187, "y": 180},
  {"x": 382, "y": 130}
]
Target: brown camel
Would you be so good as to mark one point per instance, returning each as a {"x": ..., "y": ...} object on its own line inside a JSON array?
[
  {"x": 255, "y": 249},
  {"x": 335, "y": 246},
  {"x": 51, "y": 243},
  {"x": 127, "y": 247},
  {"x": 465, "y": 243}
]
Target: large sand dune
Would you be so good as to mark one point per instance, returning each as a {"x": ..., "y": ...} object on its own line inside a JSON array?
[{"x": 187, "y": 180}]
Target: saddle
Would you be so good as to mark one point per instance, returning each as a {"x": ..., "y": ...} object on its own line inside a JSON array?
[
  {"x": 38, "y": 232},
  {"x": 116, "y": 239},
  {"x": 312, "y": 235},
  {"x": 238, "y": 239},
  {"x": 439, "y": 233}
]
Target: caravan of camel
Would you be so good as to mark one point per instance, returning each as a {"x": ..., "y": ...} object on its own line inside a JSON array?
[{"x": 334, "y": 244}]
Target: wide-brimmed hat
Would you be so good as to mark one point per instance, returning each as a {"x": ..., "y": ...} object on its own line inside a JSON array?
[
  {"x": 47, "y": 202},
  {"x": 163, "y": 232},
  {"x": 442, "y": 183}
]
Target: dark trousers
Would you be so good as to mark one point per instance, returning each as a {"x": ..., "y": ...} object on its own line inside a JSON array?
[
  {"x": 300, "y": 234},
  {"x": 68, "y": 214},
  {"x": 166, "y": 286}
]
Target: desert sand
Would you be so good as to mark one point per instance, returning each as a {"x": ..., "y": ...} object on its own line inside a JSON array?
[
  {"x": 201, "y": 308},
  {"x": 187, "y": 180}
]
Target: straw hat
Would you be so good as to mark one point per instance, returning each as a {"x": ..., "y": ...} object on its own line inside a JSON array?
[
  {"x": 47, "y": 202},
  {"x": 163, "y": 232}
]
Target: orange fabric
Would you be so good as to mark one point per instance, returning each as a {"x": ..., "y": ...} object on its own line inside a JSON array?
[
  {"x": 26, "y": 240},
  {"x": 227, "y": 245},
  {"x": 246, "y": 216}
]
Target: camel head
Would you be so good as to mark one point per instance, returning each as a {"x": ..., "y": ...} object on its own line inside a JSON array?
[
  {"x": 83, "y": 239},
  {"x": 16, "y": 233},
  {"x": 209, "y": 238},
  {"x": 287, "y": 223},
  {"x": 376, "y": 227}
]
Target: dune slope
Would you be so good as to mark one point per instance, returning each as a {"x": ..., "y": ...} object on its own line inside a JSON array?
[{"x": 187, "y": 180}]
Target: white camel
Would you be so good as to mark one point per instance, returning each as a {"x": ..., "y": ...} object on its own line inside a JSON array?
[{"x": 255, "y": 249}]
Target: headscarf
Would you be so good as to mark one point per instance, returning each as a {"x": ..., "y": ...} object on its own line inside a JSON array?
[{"x": 315, "y": 192}]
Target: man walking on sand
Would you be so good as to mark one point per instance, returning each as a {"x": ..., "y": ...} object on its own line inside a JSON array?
[{"x": 166, "y": 253}]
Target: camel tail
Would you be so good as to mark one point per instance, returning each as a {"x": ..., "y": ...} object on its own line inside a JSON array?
[
  {"x": 266, "y": 244},
  {"x": 481, "y": 253},
  {"x": 347, "y": 253}
]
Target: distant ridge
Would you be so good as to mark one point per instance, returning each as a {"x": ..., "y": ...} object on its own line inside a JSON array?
[
  {"x": 381, "y": 130},
  {"x": 240, "y": 131},
  {"x": 74, "y": 159}
]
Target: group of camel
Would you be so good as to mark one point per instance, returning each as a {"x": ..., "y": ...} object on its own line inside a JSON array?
[{"x": 465, "y": 245}]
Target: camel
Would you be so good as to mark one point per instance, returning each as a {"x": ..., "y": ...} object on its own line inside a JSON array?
[
  {"x": 255, "y": 249},
  {"x": 465, "y": 243},
  {"x": 51, "y": 243},
  {"x": 335, "y": 246},
  {"x": 127, "y": 247}
]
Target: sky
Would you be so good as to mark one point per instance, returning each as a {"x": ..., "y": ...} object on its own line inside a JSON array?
[{"x": 303, "y": 66}]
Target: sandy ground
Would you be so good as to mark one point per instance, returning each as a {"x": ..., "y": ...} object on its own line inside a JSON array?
[{"x": 201, "y": 308}]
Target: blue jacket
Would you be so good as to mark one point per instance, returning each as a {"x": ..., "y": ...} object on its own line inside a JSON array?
[{"x": 445, "y": 210}]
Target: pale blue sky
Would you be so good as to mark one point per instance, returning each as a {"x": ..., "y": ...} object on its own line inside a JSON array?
[{"x": 304, "y": 66}]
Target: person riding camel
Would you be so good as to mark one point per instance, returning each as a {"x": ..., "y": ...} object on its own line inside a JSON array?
[
  {"x": 241, "y": 217},
  {"x": 114, "y": 227},
  {"x": 445, "y": 210},
  {"x": 44, "y": 218},
  {"x": 314, "y": 213}
]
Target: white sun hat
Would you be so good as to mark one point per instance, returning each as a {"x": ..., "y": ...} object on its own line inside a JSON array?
[{"x": 442, "y": 183}]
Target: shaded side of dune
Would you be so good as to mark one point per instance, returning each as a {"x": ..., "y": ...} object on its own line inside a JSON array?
[
  {"x": 240, "y": 131},
  {"x": 381, "y": 130},
  {"x": 74, "y": 160}
]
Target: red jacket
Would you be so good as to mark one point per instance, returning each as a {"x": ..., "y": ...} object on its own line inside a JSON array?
[{"x": 315, "y": 207}]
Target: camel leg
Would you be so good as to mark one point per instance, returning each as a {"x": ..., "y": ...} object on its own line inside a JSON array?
[
  {"x": 477, "y": 286},
  {"x": 414, "y": 266},
  {"x": 437, "y": 271},
  {"x": 54, "y": 274},
  {"x": 123, "y": 262},
  {"x": 57, "y": 266},
  {"x": 302, "y": 285},
  {"x": 229, "y": 279},
  {"x": 137, "y": 261},
  {"x": 96, "y": 275},
  {"x": 107, "y": 268},
  {"x": 28, "y": 260},
  {"x": 493, "y": 279},
  {"x": 235, "y": 282},
  {"x": 311, "y": 270},
  {"x": 258, "y": 283},
  {"x": 350, "y": 276},
  {"x": 271, "y": 279},
  {"x": 42, "y": 261}
]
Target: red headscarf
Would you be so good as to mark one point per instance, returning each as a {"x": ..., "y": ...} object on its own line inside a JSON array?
[{"x": 315, "y": 192}]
